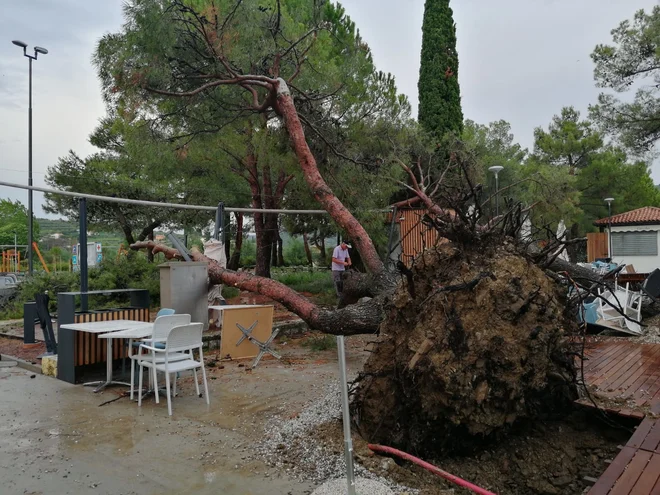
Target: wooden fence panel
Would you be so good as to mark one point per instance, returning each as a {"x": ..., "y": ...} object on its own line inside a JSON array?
[{"x": 596, "y": 246}]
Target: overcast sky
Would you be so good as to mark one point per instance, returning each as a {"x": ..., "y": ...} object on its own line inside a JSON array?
[{"x": 520, "y": 60}]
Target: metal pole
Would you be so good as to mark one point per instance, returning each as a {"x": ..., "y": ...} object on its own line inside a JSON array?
[
  {"x": 348, "y": 442},
  {"x": 389, "y": 239},
  {"x": 15, "y": 253},
  {"x": 219, "y": 221},
  {"x": 497, "y": 194},
  {"x": 82, "y": 253},
  {"x": 30, "y": 174},
  {"x": 609, "y": 228}
]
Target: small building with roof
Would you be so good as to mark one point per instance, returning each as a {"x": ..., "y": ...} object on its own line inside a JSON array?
[{"x": 634, "y": 238}]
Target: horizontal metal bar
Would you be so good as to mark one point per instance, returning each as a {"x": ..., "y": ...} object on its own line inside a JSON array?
[{"x": 161, "y": 205}]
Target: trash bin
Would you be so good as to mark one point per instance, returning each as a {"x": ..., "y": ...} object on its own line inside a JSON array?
[{"x": 184, "y": 288}]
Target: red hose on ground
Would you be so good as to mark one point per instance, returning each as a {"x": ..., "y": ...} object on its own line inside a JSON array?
[{"x": 430, "y": 467}]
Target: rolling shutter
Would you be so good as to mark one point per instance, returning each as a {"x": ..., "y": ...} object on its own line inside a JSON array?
[{"x": 635, "y": 243}]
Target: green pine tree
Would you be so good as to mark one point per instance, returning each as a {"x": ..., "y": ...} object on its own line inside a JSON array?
[{"x": 439, "y": 93}]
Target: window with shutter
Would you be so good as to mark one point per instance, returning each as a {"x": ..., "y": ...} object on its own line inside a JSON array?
[{"x": 635, "y": 243}]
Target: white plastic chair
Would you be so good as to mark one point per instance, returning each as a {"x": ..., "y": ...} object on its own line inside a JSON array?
[
  {"x": 181, "y": 340},
  {"x": 162, "y": 327}
]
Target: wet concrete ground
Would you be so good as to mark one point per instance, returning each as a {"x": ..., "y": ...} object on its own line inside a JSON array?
[{"x": 56, "y": 438}]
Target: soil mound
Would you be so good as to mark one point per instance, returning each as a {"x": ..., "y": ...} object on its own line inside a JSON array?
[{"x": 474, "y": 340}]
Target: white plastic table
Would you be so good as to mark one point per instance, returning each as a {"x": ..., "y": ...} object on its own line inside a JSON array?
[{"x": 110, "y": 330}]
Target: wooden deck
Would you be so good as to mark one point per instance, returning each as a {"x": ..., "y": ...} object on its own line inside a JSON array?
[
  {"x": 626, "y": 376},
  {"x": 623, "y": 376}
]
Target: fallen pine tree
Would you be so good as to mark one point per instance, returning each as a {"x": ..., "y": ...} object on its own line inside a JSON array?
[{"x": 473, "y": 336}]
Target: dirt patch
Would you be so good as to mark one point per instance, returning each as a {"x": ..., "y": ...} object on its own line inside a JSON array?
[
  {"x": 16, "y": 348},
  {"x": 541, "y": 459}
]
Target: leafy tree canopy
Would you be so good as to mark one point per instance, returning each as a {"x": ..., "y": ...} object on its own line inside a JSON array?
[
  {"x": 14, "y": 220},
  {"x": 632, "y": 62},
  {"x": 439, "y": 92}
]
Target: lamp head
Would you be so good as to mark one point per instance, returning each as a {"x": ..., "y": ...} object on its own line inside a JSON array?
[
  {"x": 39, "y": 49},
  {"x": 609, "y": 200},
  {"x": 496, "y": 169},
  {"x": 19, "y": 43}
]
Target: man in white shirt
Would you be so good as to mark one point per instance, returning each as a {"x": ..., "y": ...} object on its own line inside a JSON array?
[{"x": 340, "y": 260}]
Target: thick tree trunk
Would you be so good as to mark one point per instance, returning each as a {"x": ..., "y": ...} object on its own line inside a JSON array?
[
  {"x": 308, "y": 252},
  {"x": 264, "y": 246},
  {"x": 356, "y": 319},
  {"x": 262, "y": 268},
  {"x": 317, "y": 185},
  {"x": 235, "y": 259}
]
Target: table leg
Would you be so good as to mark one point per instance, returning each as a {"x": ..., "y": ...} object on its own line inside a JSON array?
[{"x": 108, "y": 372}]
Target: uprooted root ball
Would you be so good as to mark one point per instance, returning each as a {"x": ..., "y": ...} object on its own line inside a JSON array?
[{"x": 474, "y": 341}]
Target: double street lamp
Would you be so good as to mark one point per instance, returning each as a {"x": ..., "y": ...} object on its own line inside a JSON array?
[{"x": 37, "y": 51}]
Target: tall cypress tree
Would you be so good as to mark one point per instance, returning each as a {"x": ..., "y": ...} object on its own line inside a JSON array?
[{"x": 439, "y": 93}]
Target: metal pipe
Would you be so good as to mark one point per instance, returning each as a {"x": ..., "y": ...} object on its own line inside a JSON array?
[
  {"x": 30, "y": 213},
  {"x": 219, "y": 221},
  {"x": 389, "y": 239},
  {"x": 82, "y": 254},
  {"x": 163, "y": 205},
  {"x": 346, "y": 415}
]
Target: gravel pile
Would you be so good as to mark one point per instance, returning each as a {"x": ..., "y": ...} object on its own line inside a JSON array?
[
  {"x": 650, "y": 333},
  {"x": 291, "y": 446},
  {"x": 363, "y": 486}
]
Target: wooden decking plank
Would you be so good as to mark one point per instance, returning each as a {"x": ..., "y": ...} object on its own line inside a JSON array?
[
  {"x": 616, "y": 361},
  {"x": 646, "y": 392},
  {"x": 597, "y": 355},
  {"x": 612, "y": 383},
  {"x": 648, "y": 375},
  {"x": 628, "y": 359},
  {"x": 613, "y": 472},
  {"x": 645, "y": 366},
  {"x": 611, "y": 357},
  {"x": 625, "y": 484},
  {"x": 640, "y": 434},
  {"x": 649, "y": 478},
  {"x": 652, "y": 439},
  {"x": 601, "y": 359}
]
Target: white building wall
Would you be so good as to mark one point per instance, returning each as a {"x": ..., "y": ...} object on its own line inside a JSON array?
[{"x": 642, "y": 264}]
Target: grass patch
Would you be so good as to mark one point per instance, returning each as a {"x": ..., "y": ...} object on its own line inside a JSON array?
[
  {"x": 314, "y": 282},
  {"x": 321, "y": 343}
]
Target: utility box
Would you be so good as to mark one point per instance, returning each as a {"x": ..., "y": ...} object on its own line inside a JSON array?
[{"x": 184, "y": 288}]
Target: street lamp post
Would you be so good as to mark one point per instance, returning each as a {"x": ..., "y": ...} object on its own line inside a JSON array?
[
  {"x": 37, "y": 51},
  {"x": 496, "y": 170},
  {"x": 609, "y": 227}
]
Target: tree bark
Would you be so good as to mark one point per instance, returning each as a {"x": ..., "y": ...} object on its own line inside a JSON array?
[
  {"x": 235, "y": 259},
  {"x": 317, "y": 185},
  {"x": 262, "y": 268},
  {"x": 308, "y": 252}
]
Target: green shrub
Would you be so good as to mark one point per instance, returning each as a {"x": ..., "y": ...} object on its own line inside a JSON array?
[
  {"x": 134, "y": 272},
  {"x": 294, "y": 253},
  {"x": 249, "y": 253}
]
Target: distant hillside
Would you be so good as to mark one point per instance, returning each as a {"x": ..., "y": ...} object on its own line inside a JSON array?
[{"x": 48, "y": 227}]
